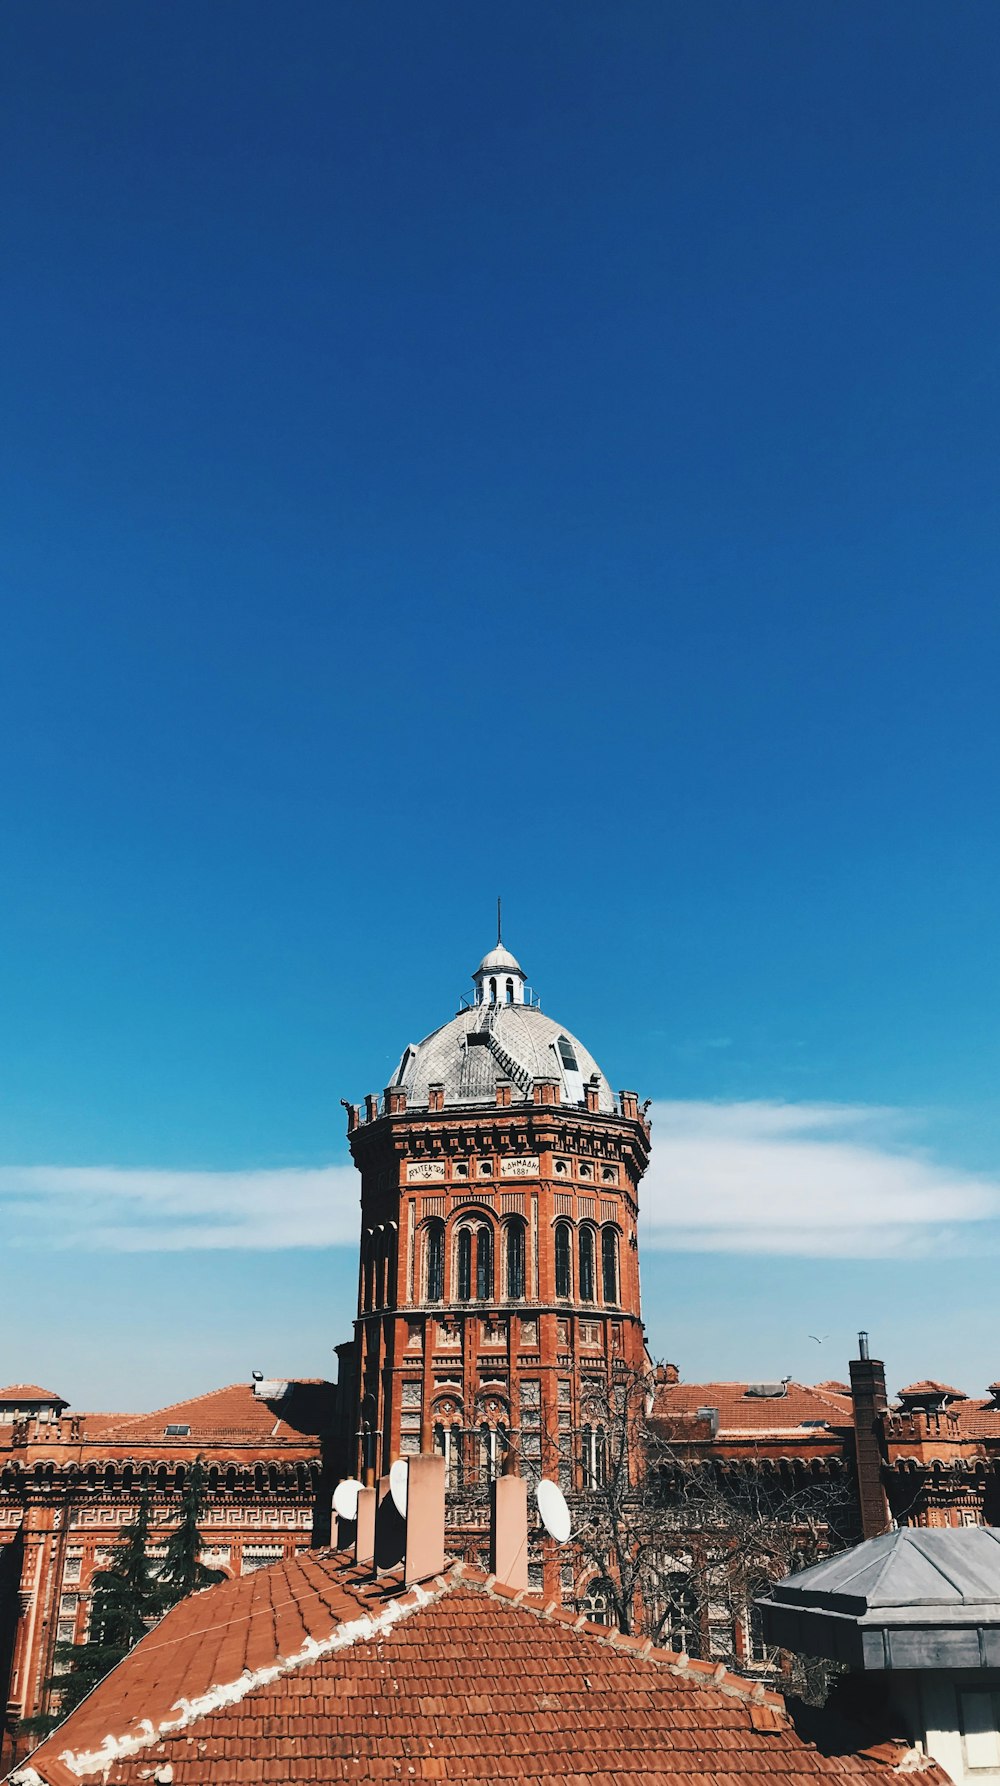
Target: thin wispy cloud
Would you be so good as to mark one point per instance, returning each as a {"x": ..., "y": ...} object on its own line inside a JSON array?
[
  {"x": 817, "y": 1180},
  {"x": 127, "y": 1210},
  {"x": 814, "y": 1180}
]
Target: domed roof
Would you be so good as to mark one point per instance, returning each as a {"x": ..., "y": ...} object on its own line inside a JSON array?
[
  {"x": 499, "y": 961},
  {"x": 505, "y": 1041}
]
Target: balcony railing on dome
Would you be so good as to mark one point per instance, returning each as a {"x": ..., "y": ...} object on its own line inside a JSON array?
[{"x": 531, "y": 1000}]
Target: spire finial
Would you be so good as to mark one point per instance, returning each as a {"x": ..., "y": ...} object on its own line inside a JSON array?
[{"x": 499, "y": 937}]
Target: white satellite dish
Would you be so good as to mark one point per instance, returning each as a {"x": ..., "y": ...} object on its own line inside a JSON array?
[
  {"x": 398, "y": 1479},
  {"x": 345, "y": 1498},
  {"x": 552, "y": 1510}
]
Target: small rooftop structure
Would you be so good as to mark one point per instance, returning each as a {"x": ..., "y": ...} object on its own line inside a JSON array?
[
  {"x": 23, "y": 1401},
  {"x": 916, "y": 1598},
  {"x": 915, "y": 1614},
  {"x": 931, "y": 1395}
]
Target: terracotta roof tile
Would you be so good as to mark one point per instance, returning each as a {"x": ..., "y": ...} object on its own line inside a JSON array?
[
  {"x": 231, "y": 1414},
  {"x": 742, "y": 1413},
  {"x": 350, "y": 1679},
  {"x": 30, "y": 1392},
  {"x": 929, "y": 1387}
]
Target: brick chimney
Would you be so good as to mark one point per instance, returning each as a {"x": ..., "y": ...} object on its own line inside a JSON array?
[
  {"x": 424, "y": 1519},
  {"x": 870, "y": 1404},
  {"x": 509, "y": 1530}
]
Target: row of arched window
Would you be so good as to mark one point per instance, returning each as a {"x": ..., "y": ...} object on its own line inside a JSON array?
[
  {"x": 474, "y": 1263},
  {"x": 378, "y": 1260},
  {"x": 475, "y": 1277},
  {"x": 586, "y": 1263},
  {"x": 162, "y": 1478}
]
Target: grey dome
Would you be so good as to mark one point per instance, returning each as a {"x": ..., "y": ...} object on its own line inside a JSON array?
[{"x": 486, "y": 1043}]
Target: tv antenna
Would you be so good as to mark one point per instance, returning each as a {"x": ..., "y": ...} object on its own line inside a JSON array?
[{"x": 552, "y": 1510}]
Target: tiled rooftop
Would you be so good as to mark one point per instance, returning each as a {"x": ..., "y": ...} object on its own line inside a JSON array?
[
  {"x": 309, "y": 1671},
  {"x": 740, "y": 1412},
  {"x": 929, "y": 1387},
  {"x": 29, "y": 1392},
  {"x": 232, "y": 1414}
]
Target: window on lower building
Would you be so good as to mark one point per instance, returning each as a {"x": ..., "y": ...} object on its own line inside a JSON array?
[
  {"x": 981, "y": 1729},
  {"x": 680, "y": 1627},
  {"x": 257, "y": 1556},
  {"x": 598, "y": 1602}
]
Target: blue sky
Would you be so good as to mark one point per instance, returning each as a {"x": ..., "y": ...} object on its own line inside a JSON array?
[{"x": 450, "y": 450}]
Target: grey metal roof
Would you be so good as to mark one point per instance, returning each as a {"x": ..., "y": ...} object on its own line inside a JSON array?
[
  {"x": 469, "y": 1070},
  {"x": 917, "y": 1598}
]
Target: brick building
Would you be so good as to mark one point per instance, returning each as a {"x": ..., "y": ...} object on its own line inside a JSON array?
[
  {"x": 499, "y": 1269},
  {"x": 323, "y": 1670},
  {"x": 69, "y": 1482},
  {"x": 498, "y": 1303}
]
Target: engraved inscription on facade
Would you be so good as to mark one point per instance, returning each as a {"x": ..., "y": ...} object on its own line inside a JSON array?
[
  {"x": 424, "y": 1171},
  {"x": 521, "y": 1166}
]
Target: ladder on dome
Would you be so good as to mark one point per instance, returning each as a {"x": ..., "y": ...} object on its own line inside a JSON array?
[{"x": 485, "y": 1034}]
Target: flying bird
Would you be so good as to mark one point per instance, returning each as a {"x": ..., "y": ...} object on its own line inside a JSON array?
[{"x": 816, "y": 1337}]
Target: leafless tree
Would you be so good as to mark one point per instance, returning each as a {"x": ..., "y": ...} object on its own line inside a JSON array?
[{"x": 681, "y": 1544}]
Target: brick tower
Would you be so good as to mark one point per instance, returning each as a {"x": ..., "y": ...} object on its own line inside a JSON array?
[{"x": 499, "y": 1280}]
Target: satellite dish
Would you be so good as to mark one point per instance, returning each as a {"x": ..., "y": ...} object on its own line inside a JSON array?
[
  {"x": 345, "y": 1498},
  {"x": 398, "y": 1479},
  {"x": 552, "y": 1510}
]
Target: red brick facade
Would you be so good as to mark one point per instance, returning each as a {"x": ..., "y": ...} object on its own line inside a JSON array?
[
  {"x": 499, "y": 1276},
  {"x": 499, "y": 1271},
  {"x": 68, "y": 1483}
]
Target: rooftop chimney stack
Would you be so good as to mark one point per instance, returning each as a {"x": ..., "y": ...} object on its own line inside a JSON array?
[
  {"x": 364, "y": 1526},
  {"x": 509, "y": 1526},
  {"x": 870, "y": 1404},
  {"x": 424, "y": 1519}
]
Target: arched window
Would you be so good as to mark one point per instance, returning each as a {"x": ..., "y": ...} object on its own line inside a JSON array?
[
  {"x": 594, "y": 1457},
  {"x": 515, "y": 1258},
  {"x": 609, "y": 1265},
  {"x": 564, "y": 1255},
  {"x": 384, "y": 1273},
  {"x": 464, "y": 1264},
  {"x": 566, "y": 1054},
  {"x": 484, "y": 1264},
  {"x": 493, "y": 990},
  {"x": 680, "y": 1627},
  {"x": 510, "y": 992},
  {"x": 598, "y": 1602},
  {"x": 435, "y": 1261},
  {"x": 368, "y": 1288},
  {"x": 586, "y": 1264}
]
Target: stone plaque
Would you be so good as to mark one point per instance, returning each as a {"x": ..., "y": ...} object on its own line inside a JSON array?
[
  {"x": 522, "y": 1166},
  {"x": 425, "y": 1171}
]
